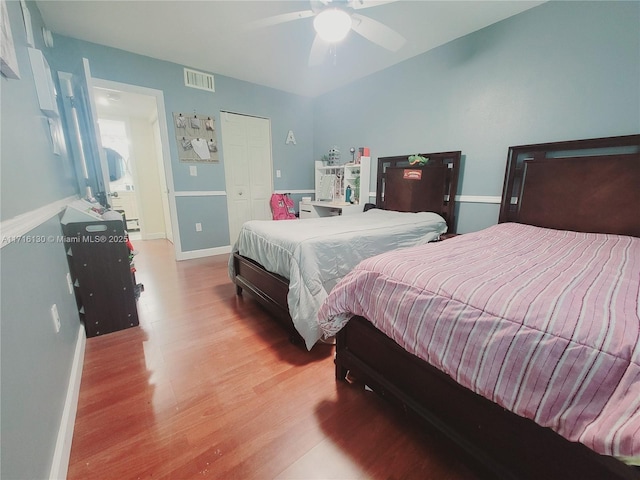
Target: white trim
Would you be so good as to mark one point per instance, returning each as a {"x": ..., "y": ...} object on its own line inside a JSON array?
[
  {"x": 24, "y": 223},
  {"x": 295, "y": 191},
  {"x": 205, "y": 252},
  {"x": 62, "y": 453},
  {"x": 201, "y": 193},
  {"x": 464, "y": 198},
  {"x": 478, "y": 199},
  {"x": 211, "y": 193}
]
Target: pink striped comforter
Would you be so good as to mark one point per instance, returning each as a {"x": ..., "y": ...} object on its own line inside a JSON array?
[{"x": 543, "y": 322}]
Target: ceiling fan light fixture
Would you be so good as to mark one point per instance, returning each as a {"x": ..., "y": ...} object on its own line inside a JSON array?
[{"x": 332, "y": 25}]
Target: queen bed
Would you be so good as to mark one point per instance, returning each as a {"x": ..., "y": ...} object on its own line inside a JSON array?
[
  {"x": 519, "y": 343},
  {"x": 290, "y": 266}
]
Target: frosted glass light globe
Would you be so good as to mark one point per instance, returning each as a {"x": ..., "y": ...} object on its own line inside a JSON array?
[{"x": 332, "y": 25}]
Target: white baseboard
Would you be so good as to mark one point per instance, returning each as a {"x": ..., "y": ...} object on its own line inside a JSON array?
[
  {"x": 205, "y": 252},
  {"x": 60, "y": 463}
]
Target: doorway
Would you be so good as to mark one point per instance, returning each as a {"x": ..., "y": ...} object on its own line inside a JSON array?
[
  {"x": 115, "y": 136},
  {"x": 131, "y": 135}
]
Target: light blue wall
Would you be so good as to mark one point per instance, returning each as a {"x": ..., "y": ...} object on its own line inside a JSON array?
[
  {"x": 30, "y": 171},
  {"x": 210, "y": 212},
  {"x": 560, "y": 71},
  {"x": 286, "y": 112},
  {"x": 35, "y": 361}
]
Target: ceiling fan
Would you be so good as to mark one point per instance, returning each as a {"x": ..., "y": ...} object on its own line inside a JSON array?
[{"x": 333, "y": 19}]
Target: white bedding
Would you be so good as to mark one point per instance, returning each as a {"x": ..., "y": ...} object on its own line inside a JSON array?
[{"x": 314, "y": 254}]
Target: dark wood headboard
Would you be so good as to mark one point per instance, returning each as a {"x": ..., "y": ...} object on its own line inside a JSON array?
[
  {"x": 581, "y": 185},
  {"x": 428, "y": 188}
]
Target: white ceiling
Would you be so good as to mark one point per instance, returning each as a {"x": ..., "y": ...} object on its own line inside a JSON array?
[{"x": 212, "y": 35}]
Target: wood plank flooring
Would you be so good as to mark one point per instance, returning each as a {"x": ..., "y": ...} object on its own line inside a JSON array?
[{"x": 208, "y": 386}]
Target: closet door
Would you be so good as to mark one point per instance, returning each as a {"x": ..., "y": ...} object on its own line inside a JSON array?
[{"x": 246, "y": 142}]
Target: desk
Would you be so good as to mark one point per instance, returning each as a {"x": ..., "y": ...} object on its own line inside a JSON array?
[{"x": 328, "y": 209}]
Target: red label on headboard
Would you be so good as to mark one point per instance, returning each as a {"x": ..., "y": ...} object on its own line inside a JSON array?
[{"x": 412, "y": 174}]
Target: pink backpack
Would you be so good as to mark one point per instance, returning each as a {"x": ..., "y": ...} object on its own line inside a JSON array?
[{"x": 282, "y": 207}]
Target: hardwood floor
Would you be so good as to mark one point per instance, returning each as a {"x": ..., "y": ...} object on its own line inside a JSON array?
[{"x": 209, "y": 386}]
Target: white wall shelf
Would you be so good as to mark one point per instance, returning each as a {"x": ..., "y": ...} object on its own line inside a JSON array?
[{"x": 332, "y": 183}]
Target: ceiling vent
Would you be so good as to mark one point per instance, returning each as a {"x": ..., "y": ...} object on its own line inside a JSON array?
[{"x": 194, "y": 79}]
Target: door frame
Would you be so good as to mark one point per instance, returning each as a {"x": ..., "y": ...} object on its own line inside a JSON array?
[{"x": 164, "y": 139}]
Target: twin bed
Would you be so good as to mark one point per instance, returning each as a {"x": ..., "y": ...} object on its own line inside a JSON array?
[
  {"x": 520, "y": 343},
  {"x": 290, "y": 266}
]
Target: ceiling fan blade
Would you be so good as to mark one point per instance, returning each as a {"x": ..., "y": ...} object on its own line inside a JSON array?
[
  {"x": 360, "y": 4},
  {"x": 377, "y": 32},
  {"x": 277, "y": 19},
  {"x": 318, "y": 5},
  {"x": 319, "y": 51}
]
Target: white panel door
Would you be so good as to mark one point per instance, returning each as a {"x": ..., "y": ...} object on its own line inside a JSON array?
[{"x": 246, "y": 143}]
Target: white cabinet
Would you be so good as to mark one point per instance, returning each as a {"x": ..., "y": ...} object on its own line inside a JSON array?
[
  {"x": 307, "y": 210},
  {"x": 340, "y": 189},
  {"x": 126, "y": 201},
  {"x": 334, "y": 183},
  {"x": 328, "y": 209}
]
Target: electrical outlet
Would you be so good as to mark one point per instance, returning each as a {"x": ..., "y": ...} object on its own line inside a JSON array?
[
  {"x": 198, "y": 227},
  {"x": 193, "y": 170},
  {"x": 69, "y": 284},
  {"x": 55, "y": 317},
  {"x": 278, "y": 174}
]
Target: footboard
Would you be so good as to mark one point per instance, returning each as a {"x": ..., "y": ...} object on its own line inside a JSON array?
[
  {"x": 269, "y": 289},
  {"x": 499, "y": 443}
]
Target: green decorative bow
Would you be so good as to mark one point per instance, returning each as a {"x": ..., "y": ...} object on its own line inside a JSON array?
[{"x": 418, "y": 160}]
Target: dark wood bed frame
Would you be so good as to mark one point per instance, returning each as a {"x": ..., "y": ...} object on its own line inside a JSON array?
[
  {"x": 433, "y": 189},
  {"x": 603, "y": 195}
]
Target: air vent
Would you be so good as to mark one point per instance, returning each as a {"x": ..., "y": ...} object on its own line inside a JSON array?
[{"x": 200, "y": 80}]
